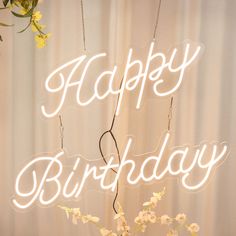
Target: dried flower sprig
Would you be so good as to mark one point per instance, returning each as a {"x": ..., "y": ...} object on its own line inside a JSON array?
[
  {"x": 76, "y": 216},
  {"x": 27, "y": 9},
  {"x": 145, "y": 217}
]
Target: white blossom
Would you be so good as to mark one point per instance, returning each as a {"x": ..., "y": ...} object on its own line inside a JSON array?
[
  {"x": 193, "y": 228},
  {"x": 166, "y": 220},
  {"x": 181, "y": 218}
]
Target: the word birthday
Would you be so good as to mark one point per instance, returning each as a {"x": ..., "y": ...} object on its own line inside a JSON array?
[
  {"x": 180, "y": 161},
  {"x": 59, "y": 84}
]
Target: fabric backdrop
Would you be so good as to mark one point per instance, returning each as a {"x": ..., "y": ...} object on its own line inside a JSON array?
[{"x": 204, "y": 107}]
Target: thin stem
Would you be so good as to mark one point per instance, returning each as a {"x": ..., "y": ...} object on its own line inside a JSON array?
[{"x": 39, "y": 30}]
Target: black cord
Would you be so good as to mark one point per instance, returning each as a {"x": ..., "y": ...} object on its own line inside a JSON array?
[{"x": 110, "y": 131}]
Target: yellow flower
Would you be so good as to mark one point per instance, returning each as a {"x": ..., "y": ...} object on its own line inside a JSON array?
[
  {"x": 36, "y": 16},
  {"x": 23, "y": 11},
  {"x": 40, "y": 39}
]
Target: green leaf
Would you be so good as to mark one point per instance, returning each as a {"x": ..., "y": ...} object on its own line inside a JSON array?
[
  {"x": 18, "y": 15},
  {"x": 25, "y": 27},
  {"x": 5, "y": 2},
  {"x": 28, "y": 14},
  {"x": 25, "y": 4},
  {"x": 3, "y": 24},
  {"x": 34, "y": 3}
]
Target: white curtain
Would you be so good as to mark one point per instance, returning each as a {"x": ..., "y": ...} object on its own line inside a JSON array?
[{"x": 204, "y": 107}]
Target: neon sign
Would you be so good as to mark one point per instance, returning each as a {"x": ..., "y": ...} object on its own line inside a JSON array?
[
  {"x": 128, "y": 84},
  {"x": 179, "y": 161},
  {"x": 200, "y": 160}
]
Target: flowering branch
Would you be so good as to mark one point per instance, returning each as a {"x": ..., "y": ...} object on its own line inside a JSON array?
[
  {"x": 27, "y": 9},
  {"x": 145, "y": 217}
]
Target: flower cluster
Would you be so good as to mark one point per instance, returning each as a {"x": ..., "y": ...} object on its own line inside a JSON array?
[
  {"x": 122, "y": 227},
  {"x": 77, "y": 215},
  {"x": 145, "y": 217},
  {"x": 27, "y": 9},
  {"x": 148, "y": 215},
  {"x": 36, "y": 26}
]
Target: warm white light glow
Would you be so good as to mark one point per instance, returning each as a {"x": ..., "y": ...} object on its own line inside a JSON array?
[
  {"x": 204, "y": 158},
  {"x": 142, "y": 76}
]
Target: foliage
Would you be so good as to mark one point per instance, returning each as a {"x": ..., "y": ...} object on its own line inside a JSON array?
[{"x": 27, "y": 9}]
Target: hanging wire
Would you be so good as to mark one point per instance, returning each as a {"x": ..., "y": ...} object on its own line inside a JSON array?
[
  {"x": 157, "y": 20},
  {"x": 110, "y": 131},
  {"x": 83, "y": 24},
  {"x": 61, "y": 132},
  {"x": 154, "y": 38},
  {"x": 170, "y": 114}
]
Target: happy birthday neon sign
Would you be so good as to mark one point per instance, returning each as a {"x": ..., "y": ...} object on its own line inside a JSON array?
[{"x": 181, "y": 161}]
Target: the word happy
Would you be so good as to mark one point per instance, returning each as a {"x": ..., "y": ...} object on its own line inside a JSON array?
[
  {"x": 181, "y": 161},
  {"x": 158, "y": 61}
]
